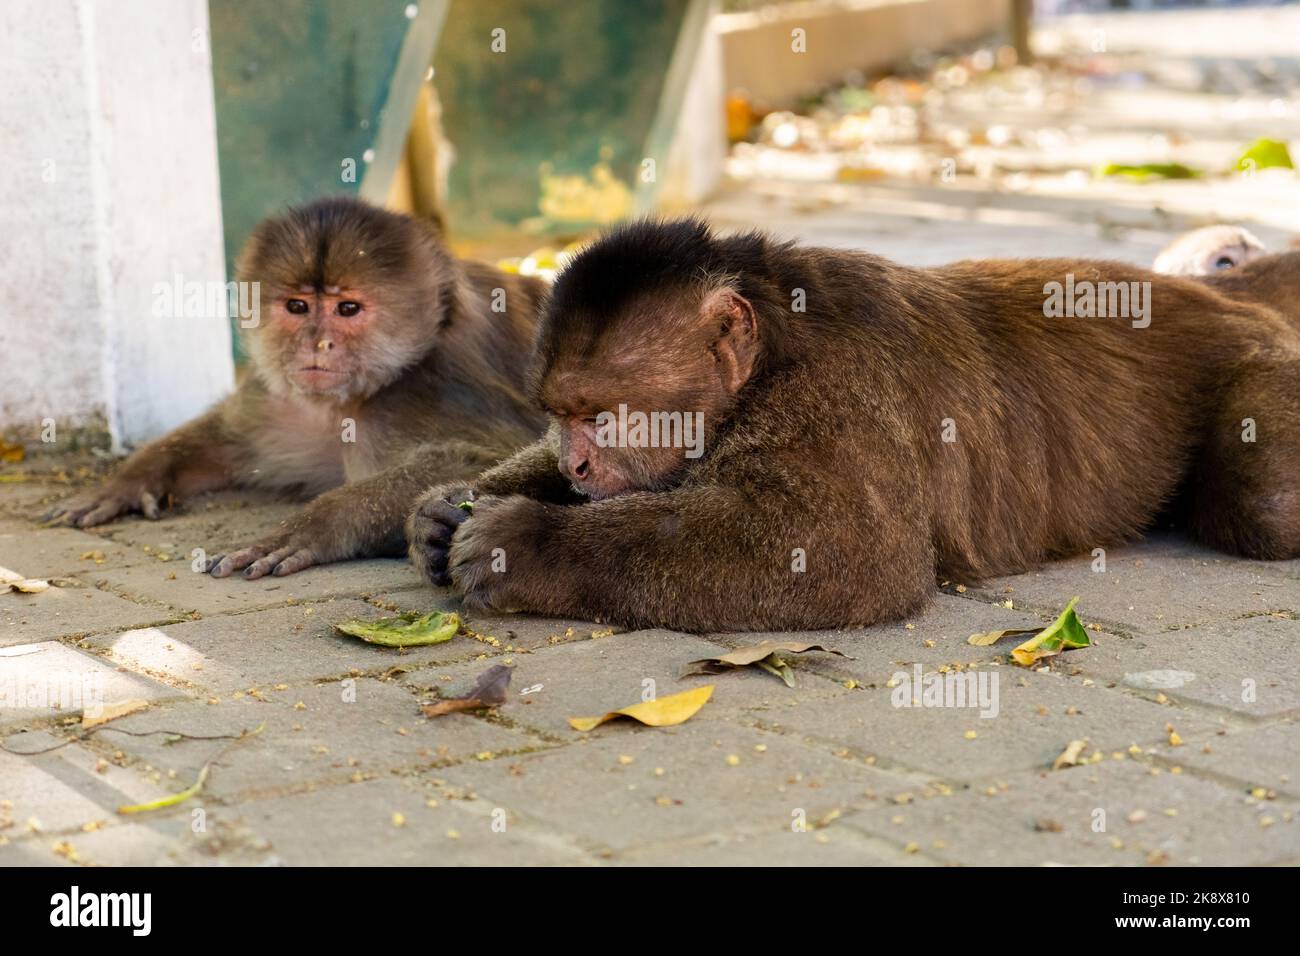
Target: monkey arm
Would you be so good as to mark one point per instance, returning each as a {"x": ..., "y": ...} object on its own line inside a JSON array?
[
  {"x": 199, "y": 456},
  {"x": 532, "y": 472},
  {"x": 698, "y": 559},
  {"x": 361, "y": 519}
]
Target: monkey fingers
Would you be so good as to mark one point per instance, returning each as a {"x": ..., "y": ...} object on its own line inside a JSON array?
[
  {"x": 103, "y": 505},
  {"x": 495, "y": 557},
  {"x": 287, "y": 560},
  {"x": 260, "y": 560},
  {"x": 430, "y": 529}
]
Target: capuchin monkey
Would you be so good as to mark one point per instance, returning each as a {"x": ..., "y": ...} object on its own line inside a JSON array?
[
  {"x": 1203, "y": 252},
  {"x": 867, "y": 427},
  {"x": 1233, "y": 261},
  {"x": 379, "y": 363}
]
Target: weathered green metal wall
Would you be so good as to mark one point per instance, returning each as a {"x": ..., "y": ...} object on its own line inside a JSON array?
[
  {"x": 304, "y": 86},
  {"x": 558, "y": 122}
]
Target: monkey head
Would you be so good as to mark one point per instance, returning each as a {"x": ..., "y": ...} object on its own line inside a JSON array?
[
  {"x": 643, "y": 351},
  {"x": 1202, "y": 252},
  {"x": 350, "y": 295}
]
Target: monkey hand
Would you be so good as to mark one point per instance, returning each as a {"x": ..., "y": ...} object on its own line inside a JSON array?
[
  {"x": 429, "y": 528},
  {"x": 497, "y": 556},
  {"x": 122, "y": 494},
  {"x": 313, "y": 536}
]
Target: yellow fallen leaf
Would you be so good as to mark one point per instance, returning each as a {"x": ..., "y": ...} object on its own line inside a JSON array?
[
  {"x": 172, "y": 800},
  {"x": 13, "y": 581},
  {"x": 175, "y": 798},
  {"x": 660, "y": 712},
  {"x": 114, "y": 711},
  {"x": 992, "y": 637},
  {"x": 1070, "y": 755}
]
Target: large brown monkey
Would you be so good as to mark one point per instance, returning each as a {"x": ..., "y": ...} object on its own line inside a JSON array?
[
  {"x": 907, "y": 423},
  {"x": 379, "y": 363}
]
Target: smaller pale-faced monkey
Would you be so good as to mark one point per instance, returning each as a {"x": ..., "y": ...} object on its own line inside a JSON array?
[
  {"x": 1206, "y": 251},
  {"x": 379, "y": 362},
  {"x": 868, "y": 427}
]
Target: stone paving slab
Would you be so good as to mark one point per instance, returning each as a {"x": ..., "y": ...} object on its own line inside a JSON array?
[
  {"x": 327, "y": 733},
  {"x": 1037, "y": 715},
  {"x": 216, "y": 523},
  {"x": 1164, "y": 584},
  {"x": 1267, "y": 757},
  {"x": 62, "y": 552},
  {"x": 402, "y": 822},
  {"x": 52, "y": 795},
  {"x": 1209, "y": 825},
  {"x": 27, "y": 500},
  {"x": 48, "y": 681},
  {"x": 1250, "y": 666},
  {"x": 176, "y": 585},
  {"x": 68, "y": 611},
  {"x": 715, "y": 778},
  {"x": 289, "y": 644},
  {"x": 828, "y": 846},
  {"x": 592, "y": 677}
]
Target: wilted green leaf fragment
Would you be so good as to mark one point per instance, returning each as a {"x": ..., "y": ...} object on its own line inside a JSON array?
[
  {"x": 411, "y": 629},
  {"x": 1143, "y": 171},
  {"x": 1265, "y": 154},
  {"x": 1065, "y": 633}
]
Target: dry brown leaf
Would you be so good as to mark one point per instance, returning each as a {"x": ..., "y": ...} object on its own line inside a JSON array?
[
  {"x": 765, "y": 654},
  {"x": 489, "y": 691}
]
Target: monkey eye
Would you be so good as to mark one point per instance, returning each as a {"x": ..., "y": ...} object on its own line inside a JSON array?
[
  {"x": 297, "y": 306},
  {"x": 349, "y": 308},
  {"x": 1224, "y": 262}
]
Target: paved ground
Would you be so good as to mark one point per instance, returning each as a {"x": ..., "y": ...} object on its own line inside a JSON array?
[
  {"x": 347, "y": 770},
  {"x": 1187, "y": 703}
]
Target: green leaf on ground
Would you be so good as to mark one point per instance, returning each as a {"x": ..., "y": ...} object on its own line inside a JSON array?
[
  {"x": 411, "y": 629},
  {"x": 1145, "y": 171},
  {"x": 1065, "y": 633},
  {"x": 1264, "y": 154}
]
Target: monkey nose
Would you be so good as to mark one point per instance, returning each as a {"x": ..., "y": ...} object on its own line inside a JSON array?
[
  {"x": 324, "y": 345},
  {"x": 581, "y": 470}
]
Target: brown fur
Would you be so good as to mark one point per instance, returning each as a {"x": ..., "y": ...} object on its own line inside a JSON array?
[
  {"x": 1071, "y": 433},
  {"x": 431, "y": 376}
]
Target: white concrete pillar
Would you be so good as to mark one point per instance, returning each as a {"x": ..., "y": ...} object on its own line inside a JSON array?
[{"x": 109, "y": 191}]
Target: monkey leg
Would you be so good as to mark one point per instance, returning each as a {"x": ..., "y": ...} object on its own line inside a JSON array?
[{"x": 1245, "y": 487}]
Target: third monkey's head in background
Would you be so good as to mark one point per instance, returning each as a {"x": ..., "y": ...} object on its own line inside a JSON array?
[
  {"x": 350, "y": 295},
  {"x": 645, "y": 322},
  {"x": 1205, "y": 251}
]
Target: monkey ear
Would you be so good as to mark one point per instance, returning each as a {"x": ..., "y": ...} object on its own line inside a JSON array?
[{"x": 737, "y": 346}]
